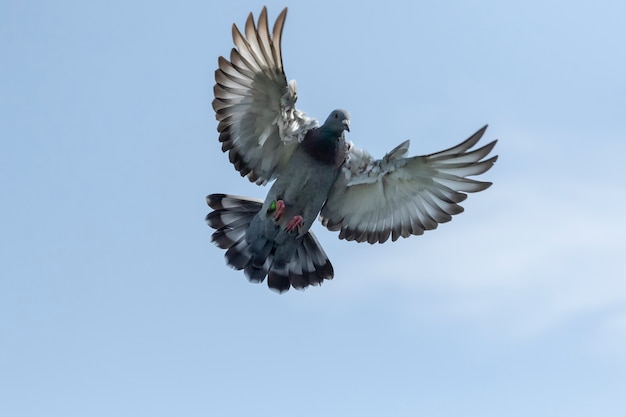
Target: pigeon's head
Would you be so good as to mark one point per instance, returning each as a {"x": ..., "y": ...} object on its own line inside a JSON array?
[{"x": 338, "y": 120}]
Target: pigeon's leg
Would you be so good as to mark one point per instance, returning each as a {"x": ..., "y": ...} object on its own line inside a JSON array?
[
  {"x": 280, "y": 208},
  {"x": 294, "y": 224},
  {"x": 277, "y": 207}
]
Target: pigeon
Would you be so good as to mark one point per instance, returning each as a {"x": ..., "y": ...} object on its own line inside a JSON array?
[{"x": 316, "y": 172}]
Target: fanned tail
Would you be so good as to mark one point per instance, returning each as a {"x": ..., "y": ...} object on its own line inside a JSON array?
[{"x": 231, "y": 218}]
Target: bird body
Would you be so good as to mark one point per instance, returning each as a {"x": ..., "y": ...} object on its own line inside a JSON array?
[
  {"x": 316, "y": 172},
  {"x": 307, "y": 178}
]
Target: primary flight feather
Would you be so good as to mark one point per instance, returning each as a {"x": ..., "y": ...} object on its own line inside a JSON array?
[{"x": 316, "y": 172}]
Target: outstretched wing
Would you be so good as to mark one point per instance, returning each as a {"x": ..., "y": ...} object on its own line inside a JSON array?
[
  {"x": 259, "y": 125},
  {"x": 396, "y": 196}
]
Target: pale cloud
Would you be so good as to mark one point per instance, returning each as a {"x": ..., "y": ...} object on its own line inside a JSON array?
[
  {"x": 525, "y": 259},
  {"x": 609, "y": 339}
]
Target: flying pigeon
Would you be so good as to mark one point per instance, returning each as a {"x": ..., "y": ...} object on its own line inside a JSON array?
[{"x": 316, "y": 172}]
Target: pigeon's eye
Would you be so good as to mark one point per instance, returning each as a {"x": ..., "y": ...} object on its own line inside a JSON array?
[{"x": 336, "y": 116}]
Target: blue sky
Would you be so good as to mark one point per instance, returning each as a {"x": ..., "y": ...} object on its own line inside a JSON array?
[{"x": 113, "y": 301}]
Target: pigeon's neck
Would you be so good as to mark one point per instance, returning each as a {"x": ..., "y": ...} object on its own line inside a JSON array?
[{"x": 325, "y": 145}]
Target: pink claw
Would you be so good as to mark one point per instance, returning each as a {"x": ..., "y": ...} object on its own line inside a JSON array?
[
  {"x": 280, "y": 208},
  {"x": 294, "y": 223}
]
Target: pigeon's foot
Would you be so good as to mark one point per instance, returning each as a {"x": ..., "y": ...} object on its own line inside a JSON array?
[
  {"x": 278, "y": 208},
  {"x": 294, "y": 224}
]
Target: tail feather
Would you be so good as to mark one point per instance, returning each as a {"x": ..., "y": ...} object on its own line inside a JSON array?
[
  {"x": 226, "y": 238},
  {"x": 256, "y": 273},
  {"x": 231, "y": 218},
  {"x": 278, "y": 279},
  {"x": 227, "y": 201},
  {"x": 238, "y": 256},
  {"x": 319, "y": 259}
]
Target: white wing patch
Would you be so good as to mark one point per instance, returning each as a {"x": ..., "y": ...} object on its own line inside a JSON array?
[{"x": 361, "y": 168}]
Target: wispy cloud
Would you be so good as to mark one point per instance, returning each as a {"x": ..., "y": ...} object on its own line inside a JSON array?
[{"x": 527, "y": 257}]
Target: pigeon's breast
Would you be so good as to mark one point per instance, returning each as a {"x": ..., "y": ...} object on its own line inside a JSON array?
[{"x": 324, "y": 148}]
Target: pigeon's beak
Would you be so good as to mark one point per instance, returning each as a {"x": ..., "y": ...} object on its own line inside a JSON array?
[{"x": 346, "y": 124}]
